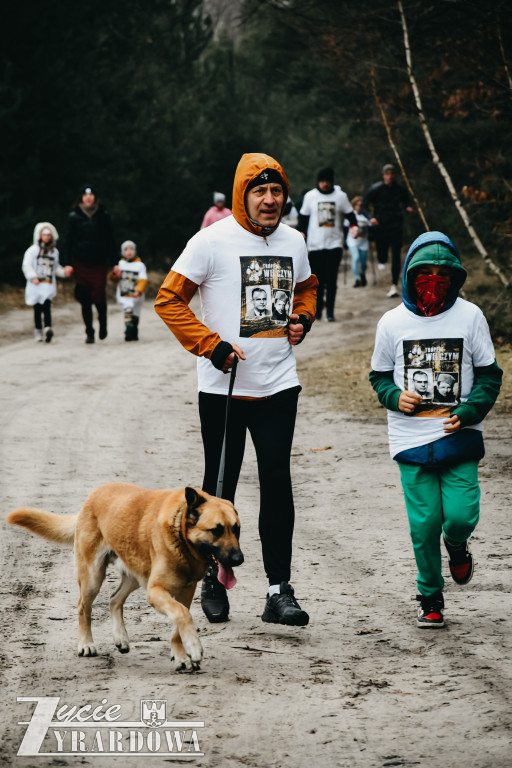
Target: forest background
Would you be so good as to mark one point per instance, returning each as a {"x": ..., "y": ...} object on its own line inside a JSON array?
[{"x": 154, "y": 104}]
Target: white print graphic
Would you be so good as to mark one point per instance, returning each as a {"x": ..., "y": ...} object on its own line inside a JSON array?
[
  {"x": 326, "y": 214},
  {"x": 57, "y": 730},
  {"x": 433, "y": 371},
  {"x": 128, "y": 282},
  {"x": 267, "y": 285},
  {"x": 45, "y": 264}
]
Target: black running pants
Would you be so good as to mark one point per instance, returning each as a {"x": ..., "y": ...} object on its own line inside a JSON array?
[
  {"x": 271, "y": 424},
  {"x": 325, "y": 264}
]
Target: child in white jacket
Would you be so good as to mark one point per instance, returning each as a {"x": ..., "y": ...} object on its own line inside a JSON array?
[
  {"x": 41, "y": 267},
  {"x": 131, "y": 277}
]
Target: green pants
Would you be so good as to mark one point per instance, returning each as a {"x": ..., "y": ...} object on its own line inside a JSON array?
[{"x": 439, "y": 501}]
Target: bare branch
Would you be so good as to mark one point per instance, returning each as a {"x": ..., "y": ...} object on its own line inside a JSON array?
[{"x": 437, "y": 160}]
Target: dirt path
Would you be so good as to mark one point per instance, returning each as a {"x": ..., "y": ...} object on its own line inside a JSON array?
[{"x": 359, "y": 687}]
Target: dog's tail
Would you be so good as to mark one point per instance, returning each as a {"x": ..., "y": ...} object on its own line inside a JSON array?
[{"x": 59, "y": 528}]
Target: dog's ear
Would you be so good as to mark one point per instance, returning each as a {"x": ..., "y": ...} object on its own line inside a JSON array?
[{"x": 194, "y": 500}]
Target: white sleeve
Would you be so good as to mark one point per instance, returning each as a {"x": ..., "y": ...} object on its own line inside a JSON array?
[
  {"x": 344, "y": 203},
  {"x": 303, "y": 268},
  {"x": 143, "y": 273},
  {"x": 306, "y": 205},
  {"x": 28, "y": 265},
  {"x": 195, "y": 262},
  {"x": 482, "y": 349},
  {"x": 383, "y": 358},
  {"x": 59, "y": 269}
]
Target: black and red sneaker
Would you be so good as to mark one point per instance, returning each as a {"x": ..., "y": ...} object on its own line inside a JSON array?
[
  {"x": 461, "y": 562},
  {"x": 430, "y": 612}
]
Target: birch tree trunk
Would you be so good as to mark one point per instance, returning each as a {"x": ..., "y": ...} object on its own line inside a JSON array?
[
  {"x": 502, "y": 50},
  {"x": 394, "y": 147},
  {"x": 438, "y": 162}
]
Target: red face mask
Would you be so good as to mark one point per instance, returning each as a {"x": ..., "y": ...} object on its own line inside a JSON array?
[{"x": 431, "y": 293}]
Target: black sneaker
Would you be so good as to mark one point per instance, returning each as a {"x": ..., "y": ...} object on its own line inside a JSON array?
[
  {"x": 214, "y": 598},
  {"x": 430, "y": 612},
  {"x": 48, "y": 334},
  {"x": 283, "y": 608},
  {"x": 89, "y": 339},
  {"x": 461, "y": 562},
  {"x": 363, "y": 279}
]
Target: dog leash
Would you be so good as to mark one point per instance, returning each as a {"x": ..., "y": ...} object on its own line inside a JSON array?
[{"x": 220, "y": 477}]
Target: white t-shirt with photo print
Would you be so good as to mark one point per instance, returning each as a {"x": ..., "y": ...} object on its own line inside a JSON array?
[
  {"x": 232, "y": 268},
  {"x": 449, "y": 343},
  {"x": 326, "y": 215}
]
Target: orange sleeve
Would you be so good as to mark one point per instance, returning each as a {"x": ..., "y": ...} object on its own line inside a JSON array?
[
  {"x": 304, "y": 298},
  {"x": 171, "y": 304},
  {"x": 141, "y": 285}
]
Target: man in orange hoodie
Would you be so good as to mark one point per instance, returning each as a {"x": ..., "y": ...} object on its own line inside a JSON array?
[{"x": 227, "y": 261}]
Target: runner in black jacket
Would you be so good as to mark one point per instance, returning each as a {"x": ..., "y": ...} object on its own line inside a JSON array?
[
  {"x": 91, "y": 250},
  {"x": 384, "y": 204}
]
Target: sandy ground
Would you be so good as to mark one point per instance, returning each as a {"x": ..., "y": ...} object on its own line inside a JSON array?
[{"x": 359, "y": 687}]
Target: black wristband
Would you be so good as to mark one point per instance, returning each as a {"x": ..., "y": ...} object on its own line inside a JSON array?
[{"x": 219, "y": 354}]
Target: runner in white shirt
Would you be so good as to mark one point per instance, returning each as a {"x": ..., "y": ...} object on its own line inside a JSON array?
[
  {"x": 258, "y": 301},
  {"x": 321, "y": 221}
]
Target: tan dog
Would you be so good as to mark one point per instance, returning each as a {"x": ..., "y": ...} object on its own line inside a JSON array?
[{"x": 160, "y": 540}]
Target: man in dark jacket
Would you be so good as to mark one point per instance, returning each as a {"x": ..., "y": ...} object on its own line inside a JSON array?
[
  {"x": 384, "y": 204},
  {"x": 91, "y": 250}
]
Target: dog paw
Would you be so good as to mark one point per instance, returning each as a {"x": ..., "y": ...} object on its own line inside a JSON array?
[
  {"x": 123, "y": 646},
  {"x": 180, "y": 663},
  {"x": 87, "y": 650},
  {"x": 194, "y": 649}
]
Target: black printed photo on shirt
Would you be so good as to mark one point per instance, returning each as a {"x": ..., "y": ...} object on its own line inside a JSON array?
[
  {"x": 257, "y": 301},
  {"x": 267, "y": 285},
  {"x": 128, "y": 282},
  {"x": 326, "y": 214},
  {"x": 432, "y": 369},
  {"x": 44, "y": 268},
  {"x": 281, "y": 306}
]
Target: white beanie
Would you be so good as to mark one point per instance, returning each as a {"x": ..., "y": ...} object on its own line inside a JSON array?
[
  {"x": 128, "y": 244},
  {"x": 218, "y": 197}
]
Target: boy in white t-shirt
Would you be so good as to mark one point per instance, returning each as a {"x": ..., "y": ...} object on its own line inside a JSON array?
[
  {"x": 258, "y": 301},
  {"x": 435, "y": 432},
  {"x": 131, "y": 277}
]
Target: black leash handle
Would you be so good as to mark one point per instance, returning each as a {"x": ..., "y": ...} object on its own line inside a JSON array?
[{"x": 222, "y": 465}]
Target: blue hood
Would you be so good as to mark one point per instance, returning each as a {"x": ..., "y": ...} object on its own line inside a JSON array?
[{"x": 446, "y": 255}]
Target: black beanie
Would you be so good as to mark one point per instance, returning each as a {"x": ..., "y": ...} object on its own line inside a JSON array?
[
  {"x": 87, "y": 189},
  {"x": 268, "y": 176},
  {"x": 326, "y": 174}
]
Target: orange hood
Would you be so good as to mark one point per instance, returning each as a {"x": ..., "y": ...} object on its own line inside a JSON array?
[{"x": 250, "y": 166}]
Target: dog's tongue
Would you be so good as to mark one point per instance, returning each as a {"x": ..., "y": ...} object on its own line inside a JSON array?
[{"x": 226, "y": 576}]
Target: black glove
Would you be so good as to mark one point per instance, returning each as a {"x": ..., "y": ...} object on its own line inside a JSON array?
[
  {"x": 306, "y": 323},
  {"x": 220, "y": 353}
]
